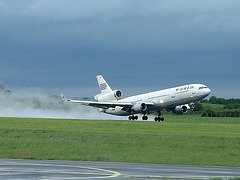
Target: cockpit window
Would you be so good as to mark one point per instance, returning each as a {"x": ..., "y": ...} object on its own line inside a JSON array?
[{"x": 203, "y": 87}]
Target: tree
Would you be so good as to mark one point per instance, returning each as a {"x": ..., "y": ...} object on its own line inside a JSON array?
[
  {"x": 198, "y": 107},
  {"x": 209, "y": 112},
  {"x": 232, "y": 106},
  {"x": 213, "y": 100},
  {"x": 221, "y": 101},
  {"x": 204, "y": 101}
]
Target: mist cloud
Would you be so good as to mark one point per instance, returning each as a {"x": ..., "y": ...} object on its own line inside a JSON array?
[{"x": 48, "y": 107}]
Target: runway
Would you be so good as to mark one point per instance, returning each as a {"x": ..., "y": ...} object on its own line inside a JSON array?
[{"x": 42, "y": 169}]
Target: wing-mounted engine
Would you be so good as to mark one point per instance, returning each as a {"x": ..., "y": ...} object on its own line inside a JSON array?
[
  {"x": 110, "y": 96},
  {"x": 139, "y": 107},
  {"x": 181, "y": 109}
]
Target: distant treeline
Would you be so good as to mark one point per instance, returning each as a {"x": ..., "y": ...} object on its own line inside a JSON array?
[
  {"x": 215, "y": 100},
  {"x": 2, "y": 90},
  {"x": 211, "y": 112},
  {"x": 230, "y": 108}
]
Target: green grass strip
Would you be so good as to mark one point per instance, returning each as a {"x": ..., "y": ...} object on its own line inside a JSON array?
[{"x": 209, "y": 141}]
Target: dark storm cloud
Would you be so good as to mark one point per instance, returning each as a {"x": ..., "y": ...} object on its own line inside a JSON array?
[
  {"x": 155, "y": 25},
  {"x": 133, "y": 43}
]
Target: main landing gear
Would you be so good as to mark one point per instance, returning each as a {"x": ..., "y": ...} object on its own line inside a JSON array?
[
  {"x": 132, "y": 118},
  {"x": 145, "y": 118},
  {"x": 159, "y": 119}
]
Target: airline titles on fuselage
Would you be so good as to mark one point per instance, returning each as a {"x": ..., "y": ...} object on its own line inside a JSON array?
[{"x": 184, "y": 88}]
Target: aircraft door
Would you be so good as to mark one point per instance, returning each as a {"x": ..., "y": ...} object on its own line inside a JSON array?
[
  {"x": 173, "y": 96},
  {"x": 193, "y": 89}
]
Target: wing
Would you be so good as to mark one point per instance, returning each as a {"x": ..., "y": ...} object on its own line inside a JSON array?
[{"x": 104, "y": 105}]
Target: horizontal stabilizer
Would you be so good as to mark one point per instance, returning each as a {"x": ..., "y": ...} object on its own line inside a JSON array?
[{"x": 104, "y": 105}]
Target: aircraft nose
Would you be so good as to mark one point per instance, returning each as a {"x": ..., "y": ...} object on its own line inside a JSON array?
[{"x": 208, "y": 91}]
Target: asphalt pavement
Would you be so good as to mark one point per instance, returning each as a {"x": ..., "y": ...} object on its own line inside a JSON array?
[{"x": 42, "y": 169}]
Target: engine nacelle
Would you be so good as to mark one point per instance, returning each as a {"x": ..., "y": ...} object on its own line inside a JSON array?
[
  {"x": 111, "y": 96},
  {"x": 139, "y": 107},
  {"x": 181, "y": 109}
]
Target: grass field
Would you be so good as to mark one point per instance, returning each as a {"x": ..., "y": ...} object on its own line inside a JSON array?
[
  {"x": 215, "y": 106},
  {"x": 187, "y": 140}
]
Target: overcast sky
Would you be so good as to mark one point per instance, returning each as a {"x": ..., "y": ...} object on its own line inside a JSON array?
[{"x": 55, "y": 46}]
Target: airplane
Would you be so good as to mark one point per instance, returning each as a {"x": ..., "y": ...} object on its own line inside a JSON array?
[{"x": 176, "y": 99}]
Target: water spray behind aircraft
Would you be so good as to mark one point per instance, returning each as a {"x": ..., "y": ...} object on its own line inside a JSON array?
[{"x": 45, "y": 107}]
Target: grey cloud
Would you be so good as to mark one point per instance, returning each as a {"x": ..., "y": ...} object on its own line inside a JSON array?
[
  {"x": 50, "y": 42},
  {"x": 136, "y": 25}
]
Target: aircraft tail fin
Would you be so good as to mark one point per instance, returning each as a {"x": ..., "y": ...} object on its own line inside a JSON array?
[
  {"x": 63, "y": 98},
  {"x": 103, "y": 85}
]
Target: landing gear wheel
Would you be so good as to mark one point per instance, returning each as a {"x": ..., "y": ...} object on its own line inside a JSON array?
[
  {"x": 132, "y": 118},
  {"x": 159, "y": 119},
  {"x": 144, "y": 118}
]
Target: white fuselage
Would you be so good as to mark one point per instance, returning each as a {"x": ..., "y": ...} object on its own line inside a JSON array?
[{"x": 164, "y": 99}]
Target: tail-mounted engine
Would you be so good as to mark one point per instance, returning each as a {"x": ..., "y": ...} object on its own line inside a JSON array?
[
  {"x": 181, "y": 109},
  {"x": 111, "y": 96}
]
